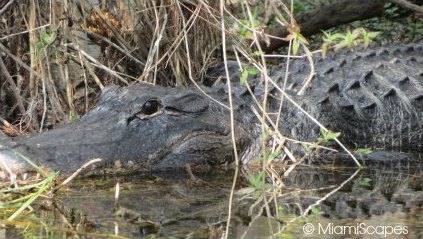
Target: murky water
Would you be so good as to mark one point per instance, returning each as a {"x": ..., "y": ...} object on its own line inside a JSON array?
[{"x": 381, "y": 201}]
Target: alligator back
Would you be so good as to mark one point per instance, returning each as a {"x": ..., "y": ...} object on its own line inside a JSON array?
[{"x": 374, "y": 97}]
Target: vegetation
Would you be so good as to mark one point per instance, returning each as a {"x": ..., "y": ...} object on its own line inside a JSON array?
[{"x": 57, "y": 56}]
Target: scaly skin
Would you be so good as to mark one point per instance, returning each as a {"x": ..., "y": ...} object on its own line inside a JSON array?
[{"x": 374, "y": 97}]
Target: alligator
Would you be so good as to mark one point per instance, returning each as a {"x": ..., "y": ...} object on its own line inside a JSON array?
[{"x": 374, "y": 97}]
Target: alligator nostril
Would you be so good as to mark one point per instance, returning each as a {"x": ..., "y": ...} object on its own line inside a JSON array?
[{"x": 130, "y": 119}]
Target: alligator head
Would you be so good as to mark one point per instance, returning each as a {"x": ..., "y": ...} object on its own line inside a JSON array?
[{"x": 138, "y": 127}]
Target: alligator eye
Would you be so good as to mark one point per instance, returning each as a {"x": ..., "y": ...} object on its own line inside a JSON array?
[{"x": 150, "y": 107}]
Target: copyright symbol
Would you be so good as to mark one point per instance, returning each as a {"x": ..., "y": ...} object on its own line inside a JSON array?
[{"x": 308, "y": 228}]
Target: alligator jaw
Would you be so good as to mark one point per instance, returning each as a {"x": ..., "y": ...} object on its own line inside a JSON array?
[
  {"x": 373, "y": 100},
  {"x": 198, "y": 147},
  {"x": 187, "y": 128}
]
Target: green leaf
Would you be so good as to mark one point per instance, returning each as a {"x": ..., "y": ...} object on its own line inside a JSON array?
[
  {"x": 257, "y": 53},
  {"x": 307, "y": 149},
  {"x": 341, "y": 45},
  {"x": 246, "y": 73},
  {"x": 325, "y": 47},
  {"x": 245, "y": 191},
  {"x": 244, "y": 77},
  {"x": 256, "y": 181},
  {"x": 302, "y": 39},
  {"x": 45, "y": 185},
  {"x": 274, "y": 154},
  {"x": 327, "y": 34},
  {"x": 73, "y": 116},
  {"x": 287, "y": 235},
  {"x": 372, "y": 35},
  {"x": 315, "y": 211},
  {"x": 47, "y": 38},
  {"x": 363, "y": 151},
  {"x": 327, "y": 135},
  {"x": 295, "y": 46},
  {"x": 264, "y": 135},
  {"x": 252, "y": 70},
  {"x": 364, "y": 182},
  {"x": 337, "y": 36},
  {"x": 333, "y": 135},
  {"x": 39, "y": 45}
]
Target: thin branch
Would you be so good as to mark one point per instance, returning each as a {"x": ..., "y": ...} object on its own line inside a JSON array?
[
  {"x": 6, "y": 6},
  {"x": 13, "y": 87},
  {"x": 408, "y": 5},
  {"x": 24, "y": 32},
  {"x": 97, "y": 63},
  {"x": 225, "y": 60},
  {"x": 70, "y": 178},
  {"x": 318, "y": 202},
  {"x": 17, "y": 60}
]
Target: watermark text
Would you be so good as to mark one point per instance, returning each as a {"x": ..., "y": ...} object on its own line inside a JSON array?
[{"x": 356, "y": 229}]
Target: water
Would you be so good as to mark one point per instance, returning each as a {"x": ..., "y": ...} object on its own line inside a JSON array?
[{"x": 376, "y": 201}]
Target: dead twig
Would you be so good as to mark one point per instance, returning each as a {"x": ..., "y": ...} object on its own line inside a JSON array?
[
  {"x": 17, "y": 60},
  {"x": 97, "y": 63},
  {"x": 13, "y": 87},
  {"x": 70, "y": 178},
  {"x": 6, "y": 6},
  {"x": 24, "y": 32}
]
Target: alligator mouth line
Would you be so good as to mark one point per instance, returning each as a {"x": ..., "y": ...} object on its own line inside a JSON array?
[{"x": 178, "y": 141}]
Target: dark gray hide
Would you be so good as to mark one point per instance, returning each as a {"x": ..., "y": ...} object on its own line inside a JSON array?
[{"x": 374, "y": 97}]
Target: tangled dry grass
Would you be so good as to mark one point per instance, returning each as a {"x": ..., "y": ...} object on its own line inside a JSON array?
[{"x": 56, "y": 56}]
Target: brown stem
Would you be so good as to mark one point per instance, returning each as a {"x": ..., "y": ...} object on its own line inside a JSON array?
[{"x": 13, "y": 87}]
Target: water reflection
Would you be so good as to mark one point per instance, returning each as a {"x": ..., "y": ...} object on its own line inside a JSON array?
[{"x": 163, "y": 206}]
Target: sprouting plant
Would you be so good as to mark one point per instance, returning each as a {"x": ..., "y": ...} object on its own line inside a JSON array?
[
  {"x": 248, "y": 25},
  {"x": 363, "y": 151},
  {"x": 348, "y": 40},
  {"x": 73, "y": 116},
  {"x": 256, "y": 180},
  {"x": 246, "y": 73},
  {"x": 327, "y": 136},
  {"x": 314, "y": 213},
  {"x": 296, "y": 37},
  {"x": 364, "y": 182},
  {"x": 368, "y": 37},
  {"x": 273, "y": 155},
  {"x": 328, "y": 40},
  {"x": 47, "y": 38}
]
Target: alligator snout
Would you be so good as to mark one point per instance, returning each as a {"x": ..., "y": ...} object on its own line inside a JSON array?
[{"x": 142, "y": 127}]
